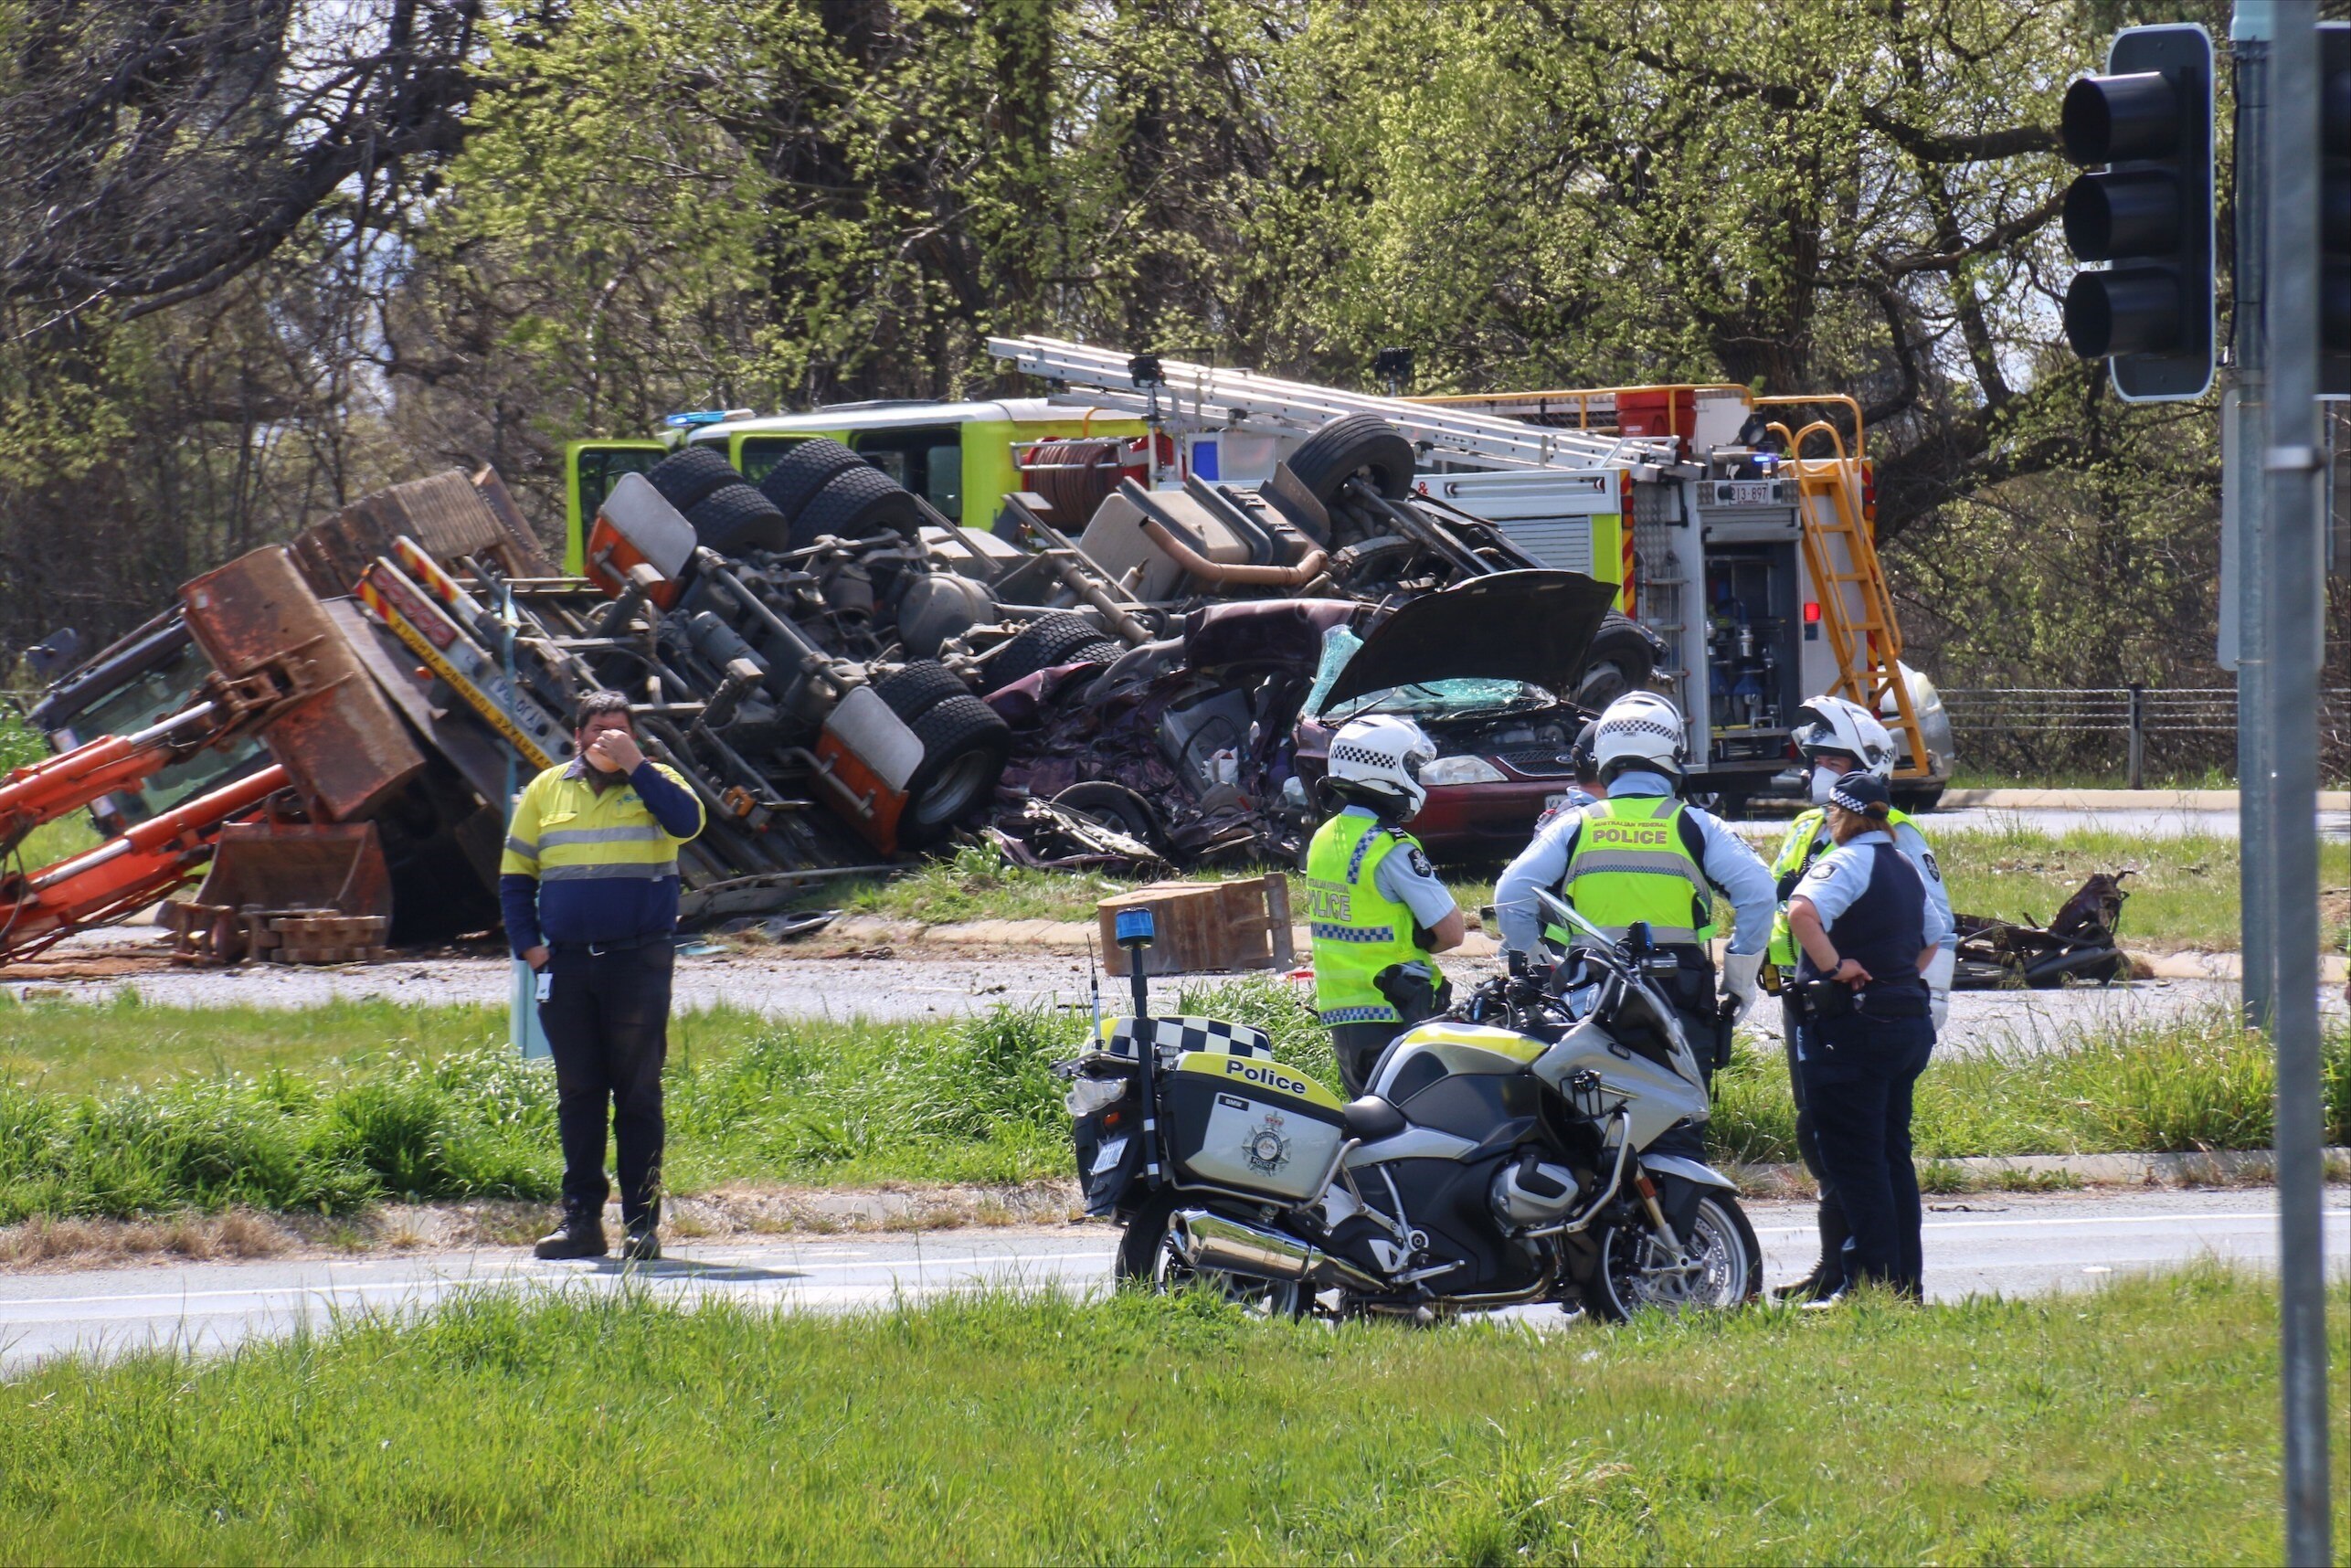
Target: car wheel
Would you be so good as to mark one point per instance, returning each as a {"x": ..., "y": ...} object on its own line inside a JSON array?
[{"x": 1621, "y": 660}]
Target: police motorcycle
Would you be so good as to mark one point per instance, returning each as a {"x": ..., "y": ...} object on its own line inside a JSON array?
[{"x": 1507, "y": 1154}]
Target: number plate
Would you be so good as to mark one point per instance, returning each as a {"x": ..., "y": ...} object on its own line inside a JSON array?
[
  {"x": 1745, "y": 493},
  {"x": 1555, "y": 802}
]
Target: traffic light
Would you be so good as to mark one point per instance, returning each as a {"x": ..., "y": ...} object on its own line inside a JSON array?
[
  {"x": 2334, "y": 209},
  {"x": 2148, "y": 216}
]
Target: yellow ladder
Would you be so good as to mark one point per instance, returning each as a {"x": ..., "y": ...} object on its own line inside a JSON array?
[{"x": 1854, "y": 603}]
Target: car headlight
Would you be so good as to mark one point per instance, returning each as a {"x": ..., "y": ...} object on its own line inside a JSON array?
[{"x": 1461, "y": 770}]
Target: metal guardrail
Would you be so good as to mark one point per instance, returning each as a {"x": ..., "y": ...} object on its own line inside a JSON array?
[{"x": 2030, "y": 729}]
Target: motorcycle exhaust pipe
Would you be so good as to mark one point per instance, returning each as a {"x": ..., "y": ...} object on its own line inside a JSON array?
[{"x": 1235, "y": 1247}]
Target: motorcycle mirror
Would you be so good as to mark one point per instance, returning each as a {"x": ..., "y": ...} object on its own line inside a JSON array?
[{"x": 1559, "y": 909}]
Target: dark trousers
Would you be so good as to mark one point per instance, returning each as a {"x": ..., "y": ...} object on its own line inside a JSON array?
[
  {"x": 1683, "y": 1139},
  {"x": 1358, "y": 1047},
  {"x": 607, "y": 1017},
  {"x": 1833, "y": 1229},
  {"x": 1858, "y": 1073}
]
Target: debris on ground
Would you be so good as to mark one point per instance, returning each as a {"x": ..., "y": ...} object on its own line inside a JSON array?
[{"x": 2078, "y": 948}]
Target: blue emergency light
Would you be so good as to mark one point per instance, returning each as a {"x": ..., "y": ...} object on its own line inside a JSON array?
[
  {"x": 698, "y": 418},
  {"x": 1136, "y": 928}
]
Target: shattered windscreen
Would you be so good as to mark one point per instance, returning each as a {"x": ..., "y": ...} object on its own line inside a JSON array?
[
  {"x": 1445, "y": 700},
  {"x": 1454, "y": 698}
]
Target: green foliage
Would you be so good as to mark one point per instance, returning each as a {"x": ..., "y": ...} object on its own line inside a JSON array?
[{"x": 2135, "y": 1424}]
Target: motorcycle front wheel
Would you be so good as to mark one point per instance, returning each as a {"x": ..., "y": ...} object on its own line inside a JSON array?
[
  {"x": 1721, "y": 1264},
  {"x": 1148, "y": 1260}
]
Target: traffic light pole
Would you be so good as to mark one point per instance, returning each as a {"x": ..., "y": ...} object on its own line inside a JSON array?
[
  {"x": 2243, "y": 484},
  {"x": 2293, "y": 606}
]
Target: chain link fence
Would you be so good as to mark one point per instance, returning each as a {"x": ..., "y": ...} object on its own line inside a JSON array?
[{"x": 2135, "y": 734}]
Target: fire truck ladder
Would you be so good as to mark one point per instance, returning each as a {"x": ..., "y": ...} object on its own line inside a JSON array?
[
  {"x": 1854, "y": 603},
  {"x": 1208, "y": 398}
]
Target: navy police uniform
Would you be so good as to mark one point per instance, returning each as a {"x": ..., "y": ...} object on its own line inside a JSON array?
[{"x": 1858, "y": 1068}]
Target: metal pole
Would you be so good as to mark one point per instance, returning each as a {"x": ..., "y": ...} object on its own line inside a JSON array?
[
  {"x": 2296, "y": 611},
  {"x": 2138, "y": 756},
  {"x": 2242, "y": 482}
]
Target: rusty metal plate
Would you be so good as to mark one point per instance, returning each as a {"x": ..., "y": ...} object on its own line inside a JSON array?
[{"x": 344, "y": 747}]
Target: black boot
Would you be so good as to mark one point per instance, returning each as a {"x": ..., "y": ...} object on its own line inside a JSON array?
[
  {"x": 580, "y": 1234},
  {"x": 644, "y": 1244},
  {"x": 1827, "y": 1276}
]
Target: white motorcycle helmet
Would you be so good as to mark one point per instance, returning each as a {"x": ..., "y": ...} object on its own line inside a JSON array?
[
  {"x": 1832, "y": 723},
  {"x": 1641, "y": 729},
  {"x": 1376, "y": 762}
]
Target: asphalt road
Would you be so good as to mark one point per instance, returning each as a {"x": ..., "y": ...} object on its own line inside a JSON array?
[{"x": 2012, "y": 1245}]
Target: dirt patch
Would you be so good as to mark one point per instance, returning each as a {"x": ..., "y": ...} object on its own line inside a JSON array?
[{"x": 50, "y": 1245}]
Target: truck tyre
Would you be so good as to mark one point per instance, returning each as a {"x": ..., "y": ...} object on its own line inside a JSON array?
[
  {"x": 735, "y": 518},
  {"x": 1354, "y": 444},
  {"x": 1916, "y": 798},
  {"x": 1046, "y": 641},
  {"x": 965, "y": 746},
  {"x": 683, "y": 478},
  {"x": 857, "y": 504},
  {"x": 804, "y": 469},
  {"x": 1101, "y": 651},
  {"x": 918, "y": 688},
  {"x": 1622, "y": 660}
]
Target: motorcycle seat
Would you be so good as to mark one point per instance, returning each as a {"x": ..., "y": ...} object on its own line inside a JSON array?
[{"x": 1372, "y": 1119}]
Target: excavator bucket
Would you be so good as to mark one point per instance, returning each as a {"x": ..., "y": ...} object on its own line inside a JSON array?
[
  {"x": 263, "y": 872},
  {"x": 259, "y": 624}
]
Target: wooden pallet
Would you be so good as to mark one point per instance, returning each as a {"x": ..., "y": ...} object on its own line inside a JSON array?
[{"x": 317, "y": 938}]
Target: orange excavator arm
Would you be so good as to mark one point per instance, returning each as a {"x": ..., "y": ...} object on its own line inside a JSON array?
[
  {"x": 43, "y": 791},
  {"x": 125, "y": 872}
]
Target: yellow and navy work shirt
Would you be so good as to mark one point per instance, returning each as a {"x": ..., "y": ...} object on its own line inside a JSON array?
[{"x": 584, "y": 864}]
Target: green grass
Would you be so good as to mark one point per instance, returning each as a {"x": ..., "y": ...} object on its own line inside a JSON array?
[
  {"x": 324, "y": 1118},
  {"x": 2184, "y": 893},
  {"x": 2197, "y": 1083},
  {"x": 346, "y": 1106},
  {"x": 2135, "y": 1424}
]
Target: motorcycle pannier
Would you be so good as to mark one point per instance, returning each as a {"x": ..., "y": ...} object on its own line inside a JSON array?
[{"x": 1249, "y": 1123}]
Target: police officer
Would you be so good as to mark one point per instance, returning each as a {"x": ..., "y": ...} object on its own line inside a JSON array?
[
  {"x": 589, "y": 887},
  {"x": 1839, "y": 737},
  {"x": 1859, "y": 917},
  {"x": 1374, "y": 906},
  {"x": 1641, "y": 856}
]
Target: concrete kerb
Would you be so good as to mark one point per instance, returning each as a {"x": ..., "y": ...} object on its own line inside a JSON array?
[{"x": 2191, "y": 1168}]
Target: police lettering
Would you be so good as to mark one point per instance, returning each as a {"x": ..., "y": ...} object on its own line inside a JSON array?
[
  {"x": 1328, "y": 901},
  {"x": 1237, "y": 1066}
]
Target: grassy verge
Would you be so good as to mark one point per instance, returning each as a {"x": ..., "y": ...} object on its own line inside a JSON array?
[
  {"x": 2133, "y": 1425},
  {"x": 2183, "y": 894},
  {"x": 344, "y": 1107},
  {"x": 2193, "y": 1083},
  {"x": 323, "y": 1120}
]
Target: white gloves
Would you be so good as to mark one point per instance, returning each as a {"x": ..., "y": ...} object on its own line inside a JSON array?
[
  {"x": 1739, "y": 972},
  {"x": 1938, "y": 982}
]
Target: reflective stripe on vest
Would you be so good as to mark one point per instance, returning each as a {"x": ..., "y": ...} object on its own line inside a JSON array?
[
  {"x": 1807, "y": 836},
  {"x": 1358, "y": 930},
  {"x": 1630, "y": 865}
]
